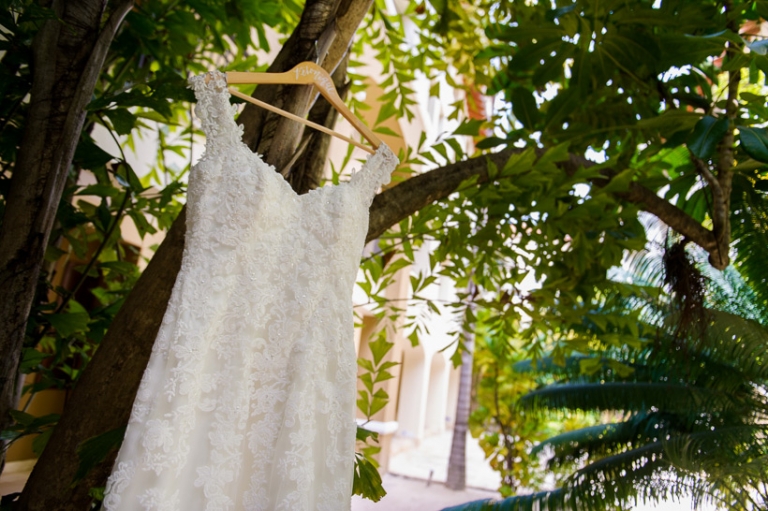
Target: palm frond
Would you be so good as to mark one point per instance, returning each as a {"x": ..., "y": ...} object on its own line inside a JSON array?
[
  {"x": 726, "y": 451},
  {"x": 728, "y": 292},
  {"x": 544, "y": 500},
  {"x": 749, "y": 231},
  {"x": 740, "y": 342},
  {"x": 631, "y": 397},
  {"x": 582, "y": 436},
  {"x": 607, "y": 439},
  {"x": 569, "y": 366},
  {"x": 600, "y": 486}
]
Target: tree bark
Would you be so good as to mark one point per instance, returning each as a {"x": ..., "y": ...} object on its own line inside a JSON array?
[
  {"x": 457, "y": 461},
  {"x": 68, "y": 54},
  {"x": 273, "y": 135},
  {"x": 307, "y": 172}
]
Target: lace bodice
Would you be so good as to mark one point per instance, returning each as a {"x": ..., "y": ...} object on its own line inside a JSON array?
[{"x": 248, "y": 399}]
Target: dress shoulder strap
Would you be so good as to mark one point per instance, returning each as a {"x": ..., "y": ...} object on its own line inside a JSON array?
[
  {"x": 376, "y": 172},
  {"x": 216, "y": 113}
]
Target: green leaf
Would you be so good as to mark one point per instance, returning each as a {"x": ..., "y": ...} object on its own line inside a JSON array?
[
  {"x": 90, "y": 156},
  {"x": 755, "y": 142},
  {"x": 490, "y": 143},
  {"x": 590, "y": 366},
  {"x": 582, "y": 73},
  {"x": 383, "y": 376},
  {"x": 387, "y": 110},
  {"x": 39, "y": 443},
  {"x": 683, "y": 49},
  {"x": 30, "y": 359},
  {"x": 749, "y": 97},
  {"x": 379, "y": 348},
  {"x": 760, "y": 46},
  {"x": 469, "y": 127},
  {"x": 670, "y": 122},
  {"x": 367, "y": 481},
  {"x": 120, "y": 267},
  {"x": 530, "y": 56},
  {"x": 365, "y": 364},
  {"x": 493, "y": 170},
  {"x": 383, "y": 130},
  {"x": 553, "y": 14},
  {"x": 133, "y": 180},
  {"x": 100, "y": 190},
  {"x": 378, "y": 403},
  {"x": 68, "y": 324},
  {"x": 22, "y": 418},
  {"x": 95, "y": 450},
  {"x": 618, "y": 183},
  {"x": 519, "y": 163},
  {"x": 363, "y": 403},
  {"x": 555, "y": 154},
  {"x": 523, "y": 34},
  {"x": 706, "y": 135},
  {"x": 632, "y": 50},
  {"x": 122, "y": 120},
  {"x": 553, "y": 68},
  {"x": 367, "y": 380},
  {"x": 364, "y": 434},
  {"x": 561, "y": 107},
  {"x": 524, "y": 107}
]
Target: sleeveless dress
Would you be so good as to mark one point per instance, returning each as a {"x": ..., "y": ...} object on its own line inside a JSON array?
[{"x": 248, "y": 399}]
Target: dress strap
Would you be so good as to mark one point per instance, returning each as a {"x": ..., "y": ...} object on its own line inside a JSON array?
[
  {"x": 376, "y": 172},
  {"x": 216, "y": 113}
]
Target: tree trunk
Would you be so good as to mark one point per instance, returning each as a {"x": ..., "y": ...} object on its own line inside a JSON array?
[
  {"x": 457, "y": 462},
  {"x": 307, "y": 171},
  {"x": 102, "y": 400},
  {"x": 68, "y": 54}
]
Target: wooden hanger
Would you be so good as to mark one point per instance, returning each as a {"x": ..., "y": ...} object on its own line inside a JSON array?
[{"x": 306, "y": 73}]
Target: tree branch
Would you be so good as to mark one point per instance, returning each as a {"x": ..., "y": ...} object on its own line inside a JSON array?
[
  {"x": 403, "y": 200},
  {"x": 721, "y": 201},
  {"x": 275, "y": 136}
]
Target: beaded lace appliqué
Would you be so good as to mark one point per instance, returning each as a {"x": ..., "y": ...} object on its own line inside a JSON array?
[{"x": 248, "y": 399}]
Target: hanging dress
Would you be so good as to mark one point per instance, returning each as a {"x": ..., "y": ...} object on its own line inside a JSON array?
[{"x": 248, "y": 399}]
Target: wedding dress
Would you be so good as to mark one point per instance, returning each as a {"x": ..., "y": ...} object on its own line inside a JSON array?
[{"x": 248, "y": 399}]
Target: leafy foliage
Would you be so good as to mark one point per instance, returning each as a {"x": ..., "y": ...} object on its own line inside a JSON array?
[
  {"x": 688, "y": 417},
  {"x": 507, "y": 433}
]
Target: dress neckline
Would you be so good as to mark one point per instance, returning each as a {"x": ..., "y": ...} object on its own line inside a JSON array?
[{"x": 379, "y": 153}]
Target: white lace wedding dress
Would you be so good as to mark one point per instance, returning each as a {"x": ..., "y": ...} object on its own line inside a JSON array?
[{"x": 248, "y": 399}]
